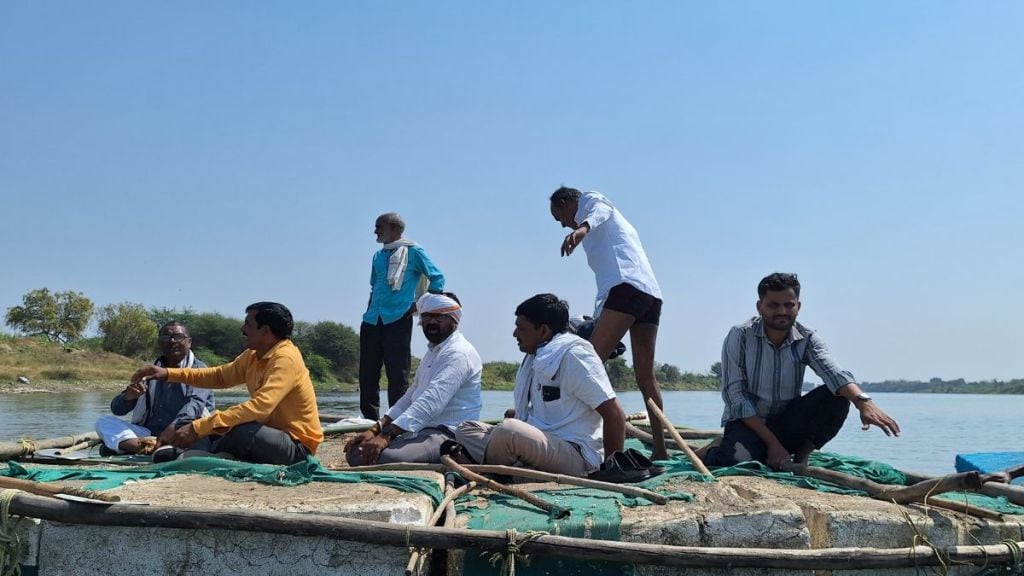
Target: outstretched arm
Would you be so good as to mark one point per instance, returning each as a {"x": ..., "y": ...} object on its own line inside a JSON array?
[{"x": 870, "y": 413}]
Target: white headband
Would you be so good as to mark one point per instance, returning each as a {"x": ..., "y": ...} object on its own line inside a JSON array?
[{"x": 439, "y": 304}]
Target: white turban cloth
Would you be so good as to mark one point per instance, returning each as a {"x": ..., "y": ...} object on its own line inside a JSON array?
[{"x": 439, "y": 304}]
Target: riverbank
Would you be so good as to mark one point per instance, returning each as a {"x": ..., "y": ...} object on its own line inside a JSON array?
[{"x": 114, "y": 386}]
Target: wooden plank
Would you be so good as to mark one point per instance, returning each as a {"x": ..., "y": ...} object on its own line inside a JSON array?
[{"x": 402, "y": 536}]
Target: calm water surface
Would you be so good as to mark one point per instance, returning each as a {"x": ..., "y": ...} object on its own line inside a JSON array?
[{"x": 935, "y": 426}]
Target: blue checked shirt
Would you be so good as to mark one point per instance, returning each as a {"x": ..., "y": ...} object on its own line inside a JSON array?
[{"x": 760, "y": 379}]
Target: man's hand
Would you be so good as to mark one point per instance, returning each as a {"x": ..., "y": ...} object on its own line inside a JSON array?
[
  {"x": 372, "y": 448},
  {"x": 358, "y": 439},
  {"x": 185, "y": 436},
  {"x": 778, "y": 456},
  {"x": 148, "y": 372},
  {"x": 166, "y": 437},
  {"x": 134, "y": 391},
  {"x": 872, "y": 414},
  {"x": 574, "y": 238}
]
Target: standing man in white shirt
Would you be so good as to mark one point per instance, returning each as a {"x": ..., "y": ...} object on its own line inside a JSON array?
[
  {"x": 628, "y": 296},
  {"x": 446, "y": 391}
]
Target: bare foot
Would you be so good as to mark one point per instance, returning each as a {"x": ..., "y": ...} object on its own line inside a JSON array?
[
  {"x": 130, "y": 446},
  {"x": 147, "y": 445},
  {"x": 703, "y": 450}
]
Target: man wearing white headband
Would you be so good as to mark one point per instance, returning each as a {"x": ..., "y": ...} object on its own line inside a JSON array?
[
  {"x": 445, "y": 392},
  {"x": 399, "y": 273}
]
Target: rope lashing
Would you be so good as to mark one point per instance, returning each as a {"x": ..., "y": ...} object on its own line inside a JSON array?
[{"x": 10, "y": 541}]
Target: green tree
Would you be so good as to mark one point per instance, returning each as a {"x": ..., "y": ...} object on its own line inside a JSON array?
[
  {"x": 336, "y": 342},
  {"x": 668, "y": 373},
  {"x": 60, "y": 316},
  {"x": 620, "y": 374},
  {"x": 127, "y": 329},
  {"x": 716, "y": 370},
  {"x": 319, "y": 368},
  {"x": 499, "y": 375}
]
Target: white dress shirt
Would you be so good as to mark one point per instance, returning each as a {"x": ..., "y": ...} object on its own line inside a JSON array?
[
  {"x": 446, "y": 390},
  {"x": 613, "y": 249}
]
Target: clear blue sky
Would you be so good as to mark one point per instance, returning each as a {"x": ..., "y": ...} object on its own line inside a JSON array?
[{"x": 214, "y": 154}]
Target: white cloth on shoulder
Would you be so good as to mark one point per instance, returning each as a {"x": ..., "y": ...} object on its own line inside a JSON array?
[
  {"x": 398, "y": 262},
  {"x": 541, "y": 367}
]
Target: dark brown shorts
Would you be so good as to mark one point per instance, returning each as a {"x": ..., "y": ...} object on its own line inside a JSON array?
[{"x": 627, "y": 299}]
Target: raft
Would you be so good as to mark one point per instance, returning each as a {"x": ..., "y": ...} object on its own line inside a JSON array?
[{"x": 990, "y": 462}]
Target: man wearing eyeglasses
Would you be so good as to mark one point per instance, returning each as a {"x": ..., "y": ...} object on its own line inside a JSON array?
[{"x": 158, "y": 407}]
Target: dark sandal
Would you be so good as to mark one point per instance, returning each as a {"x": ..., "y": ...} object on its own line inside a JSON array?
[
  {"x": 618, "y": 468},
  {"x": 644, "y": 463}
]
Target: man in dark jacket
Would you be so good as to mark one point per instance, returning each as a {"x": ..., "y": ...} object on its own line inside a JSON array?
[{"x": 157, "y": 407}]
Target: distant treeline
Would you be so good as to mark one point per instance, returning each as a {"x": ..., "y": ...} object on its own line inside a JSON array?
[
  {"x": 330, "y": 349},
  {"x": 940, "y": 386},
  {"x": 502, "y": 376}
]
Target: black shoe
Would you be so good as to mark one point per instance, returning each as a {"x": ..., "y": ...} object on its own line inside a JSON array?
[
  {"x": 165, "y": 454},
  {"x": 644, "y": 463},
  {"x": 104, "y": 451},
  {"x": 618, "y": 468},
  {"x": 457, "y": 452}
]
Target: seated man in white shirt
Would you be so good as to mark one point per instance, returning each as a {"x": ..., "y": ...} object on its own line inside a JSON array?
[
  {"x": 566, "y": 416},
  {"x": 446, "y": 391}
]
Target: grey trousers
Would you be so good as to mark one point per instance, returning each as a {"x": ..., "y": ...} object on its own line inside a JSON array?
[
  {"x": 516, "y": 443},
  {"x": 254, "y": 442},
  {"x": 423, "y": 446}
]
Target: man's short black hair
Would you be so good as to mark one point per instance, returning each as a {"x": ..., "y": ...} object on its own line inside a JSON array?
[
  {"x": 565, "y": 194},
  {"x": 777, "y": 282},
  {"x": 163, "y": 329},
  {"x": 546, "y": 309},
  {"x": 274, "y": 315}
]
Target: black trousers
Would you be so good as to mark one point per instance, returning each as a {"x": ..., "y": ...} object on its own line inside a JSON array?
[
  {"x": 255, "y": 442},
  {"x": 387, "y": 345},
  {"x": 815, "y": 417}
]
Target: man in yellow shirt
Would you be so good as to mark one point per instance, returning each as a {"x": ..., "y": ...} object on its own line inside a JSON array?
[{"x": 279, "y": 423}]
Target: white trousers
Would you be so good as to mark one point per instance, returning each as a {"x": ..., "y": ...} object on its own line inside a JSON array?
[{"x": 112, "y": 430}]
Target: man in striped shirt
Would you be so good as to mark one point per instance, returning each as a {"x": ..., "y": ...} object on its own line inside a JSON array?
[{"x": 763, "y": 363}]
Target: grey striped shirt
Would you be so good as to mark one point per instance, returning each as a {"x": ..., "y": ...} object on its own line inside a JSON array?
[{"x": 760, "y": 379}]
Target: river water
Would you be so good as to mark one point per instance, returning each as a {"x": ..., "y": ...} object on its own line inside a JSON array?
[{"x": 936, "y": 427}]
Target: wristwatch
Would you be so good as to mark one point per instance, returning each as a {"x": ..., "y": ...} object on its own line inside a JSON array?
[{"x": 863, "y": 397}]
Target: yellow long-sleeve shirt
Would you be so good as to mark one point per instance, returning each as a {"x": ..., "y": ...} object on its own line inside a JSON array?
[{"x": 281, "y": 394}]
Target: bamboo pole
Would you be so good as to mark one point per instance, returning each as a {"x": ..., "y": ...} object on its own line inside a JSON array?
[
  {"x": 898, "y": 494},
  {"x": 441, "y": 510},
  {"x": 569, "y": 480},
  {"x": 962, "y": 507},
  {"x": 646, "y": 437},
  {"x": 80, "y": 446},
  {"x": 686, "y": 433},
  {"x": 12, "y": 450},
  {"x": 45, "y": 489},
  {"x": 1012, "y": 492},
  {"x": 652, "y": 408},
  {"x": 402, "y": 536},
  {"x": 556, "y": 511},
  {"x": 916, "y": 493},
  {"x": 521, "y": 473}
]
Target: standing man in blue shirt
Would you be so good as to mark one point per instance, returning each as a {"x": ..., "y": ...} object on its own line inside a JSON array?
[{"x": 400, "y": 272}]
